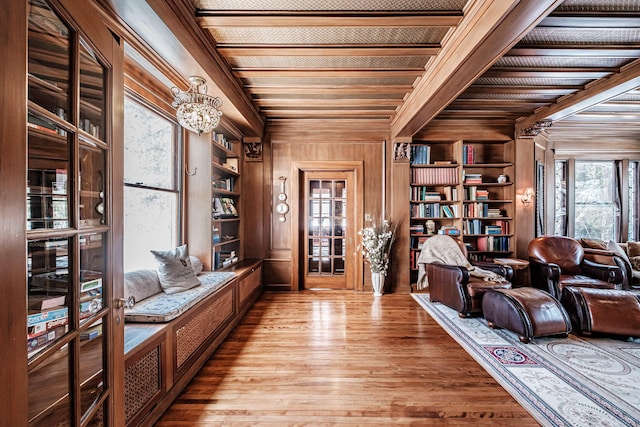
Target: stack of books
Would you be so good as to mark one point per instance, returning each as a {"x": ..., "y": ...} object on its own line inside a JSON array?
[{"x": 473, "y": 178}]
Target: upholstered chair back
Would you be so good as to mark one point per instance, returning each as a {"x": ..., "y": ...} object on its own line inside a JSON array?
[{"x": 564, "y": 251}]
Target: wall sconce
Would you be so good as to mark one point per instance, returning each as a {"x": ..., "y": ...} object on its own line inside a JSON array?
[{"x": 527, "y": 196}]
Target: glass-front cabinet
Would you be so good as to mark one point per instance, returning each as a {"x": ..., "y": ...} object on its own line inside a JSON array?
[{"x": 68, "y": 230}]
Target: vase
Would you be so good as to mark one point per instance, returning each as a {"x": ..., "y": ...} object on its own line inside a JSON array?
[{"x": 377, "y": 282}]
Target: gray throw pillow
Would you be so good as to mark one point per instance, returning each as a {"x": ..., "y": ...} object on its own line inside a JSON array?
[
  {"x": 196, "y": 264},
  {"x": 174, "y": 270}
]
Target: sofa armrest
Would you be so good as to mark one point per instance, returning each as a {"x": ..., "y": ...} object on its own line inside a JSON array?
[
  {"x": 545, "y": 276},
  {"x": 505, "y": 271},
  {"x": 608, "y": 273}
]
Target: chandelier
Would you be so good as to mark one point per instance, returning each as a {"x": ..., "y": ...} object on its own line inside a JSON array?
[{"x": 195, "y": 110}]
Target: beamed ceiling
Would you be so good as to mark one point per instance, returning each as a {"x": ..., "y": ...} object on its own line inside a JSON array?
[{"x": 407, "y": 62}]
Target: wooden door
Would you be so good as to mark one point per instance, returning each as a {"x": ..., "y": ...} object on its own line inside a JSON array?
[{"x": 329, "y": 232}]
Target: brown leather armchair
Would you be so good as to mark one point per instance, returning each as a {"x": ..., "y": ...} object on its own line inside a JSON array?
[
  {"x": 557, "y": 261},
  {"x": 454, "y": 287}
]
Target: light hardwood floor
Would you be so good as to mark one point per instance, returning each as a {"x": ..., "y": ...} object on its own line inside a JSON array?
[{"x": 341, "y": 358}]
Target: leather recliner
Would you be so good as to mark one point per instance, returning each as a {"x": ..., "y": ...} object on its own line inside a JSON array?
[
  {"x": 557, "y": 261},
  {"x": 454, "y": 287}
]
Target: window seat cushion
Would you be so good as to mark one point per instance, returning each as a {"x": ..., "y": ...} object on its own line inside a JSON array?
[{"x": 163, "y": 307}]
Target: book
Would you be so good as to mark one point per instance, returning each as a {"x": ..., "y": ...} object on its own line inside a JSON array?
[
  {"x": 37, "y": 316},
  {"x": 44, "y": 302},
  {"x": 46, "y": 338},
  {"x": 38, "y": 329}
]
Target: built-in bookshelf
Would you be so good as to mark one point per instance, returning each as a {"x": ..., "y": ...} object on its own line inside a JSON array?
[
  {"x": 463, "y": 189},
  {"x": 69, "y": 210},
  {"x": 488, "y": 189},
  {"x": 225, "y": 201}
]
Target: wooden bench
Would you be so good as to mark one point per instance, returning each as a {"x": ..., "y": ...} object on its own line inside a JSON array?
[{"x": 161, "y": 358}]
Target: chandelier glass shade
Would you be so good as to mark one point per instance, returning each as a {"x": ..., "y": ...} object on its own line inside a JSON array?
[{"x": 195, "y": 110}]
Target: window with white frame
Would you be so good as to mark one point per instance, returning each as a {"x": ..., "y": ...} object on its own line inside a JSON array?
[{"x": 152, "y": 200}]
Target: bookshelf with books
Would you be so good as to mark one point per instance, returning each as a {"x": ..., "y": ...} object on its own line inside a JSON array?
[
  {"x": 488, "y": 191},
  {"x": 435, "y": 194},
  {"x": 70, "y": 254},
  {"x": 226, "y": 249}
]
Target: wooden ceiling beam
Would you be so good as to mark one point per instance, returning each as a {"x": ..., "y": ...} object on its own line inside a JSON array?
[
  {"x": 328, "y": 89},
  {"x": 327, "y": 73},
  {"x": 599, "y": 91},
  {"x": 322, "y": 102},
  {"x": 601, "y": 22},
  {"x": 522, "y": 90},
  {"x": 231, "y": 50},
  {"x": 327, "y": 19},
  {"x": 488, "y": 31},
  {"x": 572, "y": 51},
  {"x": 549, "y": 73}
]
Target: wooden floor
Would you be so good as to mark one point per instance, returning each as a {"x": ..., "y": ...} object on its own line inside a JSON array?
[{"x": 341, "y": 358}]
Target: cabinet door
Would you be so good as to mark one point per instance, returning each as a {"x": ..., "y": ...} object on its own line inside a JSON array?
[{"x": 71, "y": 320}]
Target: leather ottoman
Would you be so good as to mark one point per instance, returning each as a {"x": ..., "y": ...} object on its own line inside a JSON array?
[
  {"x": 529, "y": 312},
  {"x": 603, "y": 311}
]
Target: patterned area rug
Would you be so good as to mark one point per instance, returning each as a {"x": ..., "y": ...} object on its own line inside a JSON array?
[{"x": 570, "y": 381}]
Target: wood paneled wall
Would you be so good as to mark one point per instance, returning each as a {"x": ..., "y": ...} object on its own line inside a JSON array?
[{"x": 325, "y": 143}]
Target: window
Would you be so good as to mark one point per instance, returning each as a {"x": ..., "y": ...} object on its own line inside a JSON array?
[
  {"x": 591, "y": 202},
  {"x": 596, "y": 212},
  {"x": 634, "y": 201},
  {"x": 152, "y": 188},
  {"x": 561, "y": 198}
]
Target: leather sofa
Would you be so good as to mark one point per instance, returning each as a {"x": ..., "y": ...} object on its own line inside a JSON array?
[{"x": 557, "y": 261}]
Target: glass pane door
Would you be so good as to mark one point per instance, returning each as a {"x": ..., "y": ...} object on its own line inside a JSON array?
[{"x": 326, "y": 230}]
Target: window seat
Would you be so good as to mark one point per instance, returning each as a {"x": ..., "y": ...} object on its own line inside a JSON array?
[
  {"x": 163, "y": 307},
  {"x": 169, "y": 337}
]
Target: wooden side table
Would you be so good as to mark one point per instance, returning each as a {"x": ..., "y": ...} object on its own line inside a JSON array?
[{"x": 520, "y": 270}]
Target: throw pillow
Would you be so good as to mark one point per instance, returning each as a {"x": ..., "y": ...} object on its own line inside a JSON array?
[
  {"x": 635, "y": 262},
  {"x": 593, "y": 243},
  {"x": 617, "y": 249},
  {"x": 633, "y": 249},
  {"x": 174, "y": 270},
  {"x": 141, "y": 284},
  {"x": 196, "y": 264}
]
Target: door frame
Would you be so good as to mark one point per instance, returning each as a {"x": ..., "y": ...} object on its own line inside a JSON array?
[{"x": 298, "y": 170}]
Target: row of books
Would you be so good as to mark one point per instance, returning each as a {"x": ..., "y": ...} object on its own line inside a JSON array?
[
  {"x": 420, "y": 154},
  {"x": 481, "y": 210},
  {"x": 478, "y": 226},
  {"x": 435, "y": 176},
  {"x": 468, "y": 154},
  {"x": 417, "y": 241},
  {"x": 427, "y": 194},
  {"x": 492, "y": 243},
  {"x": 222, "y": 184},
  {"x": 434, "y": 210},
  {"x": 221, "y": 139}
]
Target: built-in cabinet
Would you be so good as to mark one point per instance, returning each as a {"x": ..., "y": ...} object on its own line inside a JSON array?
[
  {"x": 462, "y": 188},
  {"x": 67, "y": 270}
]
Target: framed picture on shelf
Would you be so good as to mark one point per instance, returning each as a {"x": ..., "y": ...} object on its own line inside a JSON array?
[{"x": 229, "y": 207}]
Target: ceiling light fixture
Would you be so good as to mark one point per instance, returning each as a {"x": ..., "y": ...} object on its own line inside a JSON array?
[{"x": 195, "y": 110}]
